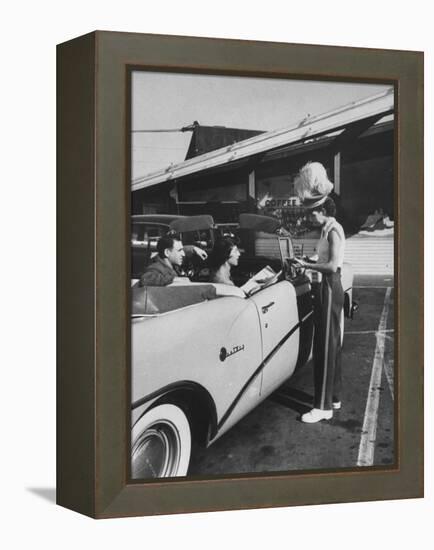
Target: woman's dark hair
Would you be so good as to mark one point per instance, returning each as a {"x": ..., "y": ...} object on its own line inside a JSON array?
[
  {"x": 220, "y": 253},
  {"x": 328, "y": 207}
]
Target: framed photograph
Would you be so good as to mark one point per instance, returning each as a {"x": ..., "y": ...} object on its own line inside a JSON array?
[{"x": 240, "y": 274}]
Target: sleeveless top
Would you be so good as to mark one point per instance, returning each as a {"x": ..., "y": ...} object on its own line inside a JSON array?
[{"x": 323, "y": 243}]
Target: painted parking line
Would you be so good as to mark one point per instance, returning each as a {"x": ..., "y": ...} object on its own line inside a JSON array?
[
  {"x": 388, "y": 371},
  {"x": 369, "y": 430}
]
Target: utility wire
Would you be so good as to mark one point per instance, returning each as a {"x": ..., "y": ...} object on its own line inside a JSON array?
[{"x": 157, "y": 131}]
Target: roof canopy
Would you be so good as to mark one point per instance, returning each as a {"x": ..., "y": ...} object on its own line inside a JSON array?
[{"x": 307, "y": 128}]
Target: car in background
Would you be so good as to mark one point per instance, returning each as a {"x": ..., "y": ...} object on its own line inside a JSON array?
[{"x": 146, "y": 229}]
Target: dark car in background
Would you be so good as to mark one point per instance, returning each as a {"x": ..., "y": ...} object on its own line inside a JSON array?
[{"x": 146, "y": 229}]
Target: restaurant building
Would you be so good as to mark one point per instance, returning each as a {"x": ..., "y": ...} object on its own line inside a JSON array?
[{"x": 228, "y": 171}]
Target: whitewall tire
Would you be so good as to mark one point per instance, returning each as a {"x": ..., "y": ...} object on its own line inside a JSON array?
[{"x": 160, "y": 443}]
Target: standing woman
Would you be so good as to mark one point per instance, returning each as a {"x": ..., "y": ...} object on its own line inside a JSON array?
[{"x": 329, "y": 297}]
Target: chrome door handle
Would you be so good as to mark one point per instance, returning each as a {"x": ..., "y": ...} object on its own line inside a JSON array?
[{"x": 267, "y": 307}]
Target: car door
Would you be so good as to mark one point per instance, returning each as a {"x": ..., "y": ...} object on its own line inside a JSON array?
[
  {"x": 214, "y": 344},
  {"x": 278, "y": 318}
]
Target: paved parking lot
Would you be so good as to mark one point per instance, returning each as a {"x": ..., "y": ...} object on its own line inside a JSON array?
[{"x": 272, "y": 438}]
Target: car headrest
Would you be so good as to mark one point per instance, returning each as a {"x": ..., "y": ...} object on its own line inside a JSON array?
[
  {"x": 257, "y": 222},
  {"x": 192, "y": 223}
]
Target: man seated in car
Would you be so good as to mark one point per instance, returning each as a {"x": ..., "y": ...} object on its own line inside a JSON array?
[
  {"x": 164, "y": 270},
  {"x": 166, "y": 265}
]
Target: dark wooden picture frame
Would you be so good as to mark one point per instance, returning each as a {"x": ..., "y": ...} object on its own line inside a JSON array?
[{"x": 93, "y": 287}]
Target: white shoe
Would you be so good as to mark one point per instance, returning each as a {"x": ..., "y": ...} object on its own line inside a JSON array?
[
  {"x": 336, "y": 405},
  {"x": 315, "y": 415}
]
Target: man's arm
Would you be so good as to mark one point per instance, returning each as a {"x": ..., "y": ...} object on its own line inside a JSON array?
[{"x": 190, "y": 250}]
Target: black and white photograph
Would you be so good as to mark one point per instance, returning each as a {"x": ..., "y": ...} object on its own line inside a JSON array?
[
  {"x": 262, "y": 275},
  {"x": 217, "y": 328}
]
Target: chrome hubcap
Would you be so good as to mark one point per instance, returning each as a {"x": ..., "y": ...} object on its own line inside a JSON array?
[{"x": 156, "y": 452}]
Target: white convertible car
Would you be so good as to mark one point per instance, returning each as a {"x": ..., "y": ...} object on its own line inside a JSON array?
[{"x": 200, "y": 365}]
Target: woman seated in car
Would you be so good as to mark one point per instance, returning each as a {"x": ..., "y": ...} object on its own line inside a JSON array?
[{"x": 224, "y": 255}]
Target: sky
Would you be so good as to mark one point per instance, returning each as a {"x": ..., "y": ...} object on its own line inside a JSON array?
[{"x": 171, "y": 101}]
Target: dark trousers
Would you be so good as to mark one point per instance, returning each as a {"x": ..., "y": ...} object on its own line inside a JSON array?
[{"x": 328, "y": 304}]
